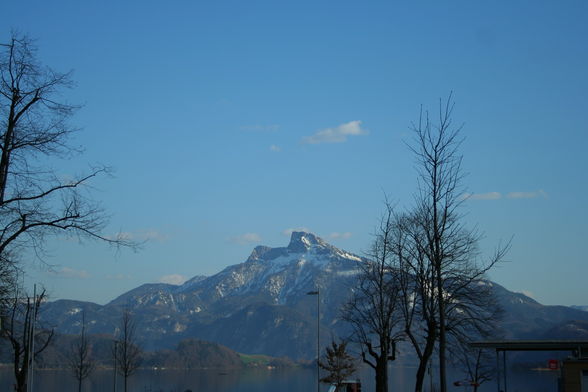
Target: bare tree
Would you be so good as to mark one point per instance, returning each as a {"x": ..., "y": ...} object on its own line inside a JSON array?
[
  {"x": 80, "y": 359},
  {"x": 35, "y": 201},
  {"x": 25, "y": 338},
  {"x": 477, "y": 365},
  {"x": 8, "y": 284},
  {"x": 416, "y": 295},
  {"x": 127, "y": 351},
  {"x": 474, "y": 313},
  {"x": 447, "y": 248},
  {"x": 339, "y": 364},
  {"x": 373, "y": 310},
  {"x": 471, "y": 310}
]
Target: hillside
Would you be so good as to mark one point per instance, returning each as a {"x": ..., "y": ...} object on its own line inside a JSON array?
[{"x": 261, "y": 306}]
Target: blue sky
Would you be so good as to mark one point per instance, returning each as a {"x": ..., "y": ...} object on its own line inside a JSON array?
[{"x": 230, "y": 123}]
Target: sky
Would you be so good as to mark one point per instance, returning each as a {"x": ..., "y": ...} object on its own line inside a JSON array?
[{"x": 229, "y": 124}]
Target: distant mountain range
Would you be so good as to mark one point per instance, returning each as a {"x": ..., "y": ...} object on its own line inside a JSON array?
[
  {"x": 579, "y": 307},
  {"x": 261, "y": 306}
]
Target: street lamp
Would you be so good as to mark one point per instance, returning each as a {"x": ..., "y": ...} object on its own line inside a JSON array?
[
  {"x": 115, "y": 351},
  {"x": 318, "y": 334}
]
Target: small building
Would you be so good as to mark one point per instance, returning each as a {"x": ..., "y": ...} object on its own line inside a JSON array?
[
  {"x": 574, "y": 375},
  {"x": 574, "y": 370}
]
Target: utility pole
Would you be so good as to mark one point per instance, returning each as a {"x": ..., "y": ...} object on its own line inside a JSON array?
[
  {"x": 32, "y": 342},
  {"x": 115, "y": 351},
  {"x": 318, "y": 336}
]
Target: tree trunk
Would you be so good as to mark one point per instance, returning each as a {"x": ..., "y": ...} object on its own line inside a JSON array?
[
  {"x": 442, "y": 338},
  {"x": 21, "y": 379},
  {"x": 423, "y": 363},
  {"x": 5, "y": 159},
  {"x": 382, "y": 374},
  {"x": 420, "y": 376}
]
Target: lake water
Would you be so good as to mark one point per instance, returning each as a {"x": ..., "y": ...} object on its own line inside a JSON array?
[{"x": 254, "y": 380}]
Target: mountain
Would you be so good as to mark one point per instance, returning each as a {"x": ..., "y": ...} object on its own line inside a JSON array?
[
  {"x": 525, "y": 318},
  {"x": 261, "y": 306},
  {"x": 258, "y": 306},
  {"x": 580, "y": 307}
]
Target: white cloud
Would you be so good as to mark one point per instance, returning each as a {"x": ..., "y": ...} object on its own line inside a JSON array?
[
  {"x": 510, "y": 195},
  {"x": 246, "y": 238},
  {"x": 288, "y": 232},
  {"x": 154, "y": 235},
  {"x": 340, "y": 236},
  {"x": 275, "y": 148},
  {"x": 483, "y": 196},
  {"x": 69, "y": 273},
  {"x": 176, "y": 279},
  {"x": 338, "y": 134},
  {"x": 528, "y": 293},
  {"x": 527, "y": 195}
]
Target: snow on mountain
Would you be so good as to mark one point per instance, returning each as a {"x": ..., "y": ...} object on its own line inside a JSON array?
[
  {"x": 261, "y": 305},
  {"x": 240, "y": 296},
  {"x": 278, "y": 273},
  {"x": 191, "y": 282}
]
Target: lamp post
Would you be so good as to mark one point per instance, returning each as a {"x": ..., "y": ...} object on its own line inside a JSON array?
[
  {"x": 31, "y": 373},
  {"x": 318, "y": 334},
  {"x": 115, "y": 351}
]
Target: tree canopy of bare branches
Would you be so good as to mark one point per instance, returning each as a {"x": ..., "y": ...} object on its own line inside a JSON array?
[
  {"x": 414, "y": 278},
  {"x": 373, "y": 309},
  {"x": 441, "y": 248},
  {"x": 35, "y": 201},
  {"x": 477, "y": 364},
  {"x": 80, "y": 356},
  {"x": 127, "y": 352},
  {"x": 425, "y": 279},
  {"x": 26, "y": 339}
]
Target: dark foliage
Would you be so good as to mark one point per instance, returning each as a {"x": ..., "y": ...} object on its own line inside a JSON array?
[{"x": 338, "y": 364}]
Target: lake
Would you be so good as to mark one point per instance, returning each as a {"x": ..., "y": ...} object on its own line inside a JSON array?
[{"x": 254, "y": 380}]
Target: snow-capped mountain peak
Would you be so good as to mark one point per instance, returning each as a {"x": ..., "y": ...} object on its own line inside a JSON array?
[
  {"x": 302, "y": 241},
  {"x": 259, "y": 252},
  {"x": 280, "y": 272},
  {"x": 262, "y": 305}
]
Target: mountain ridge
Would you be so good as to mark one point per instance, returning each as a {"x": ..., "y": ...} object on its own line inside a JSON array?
[{"x": 261, "y": 306}]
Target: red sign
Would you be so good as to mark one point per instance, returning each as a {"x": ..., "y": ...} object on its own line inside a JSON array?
[{"x": 553, "y": 364}]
